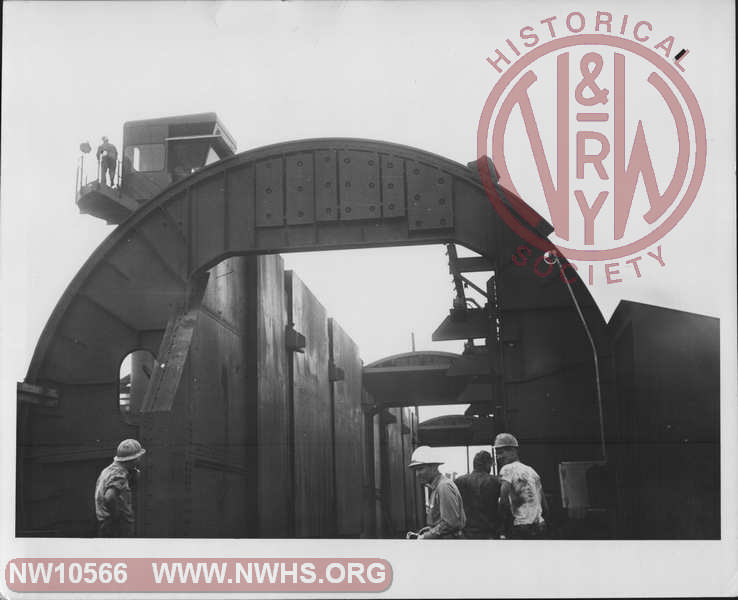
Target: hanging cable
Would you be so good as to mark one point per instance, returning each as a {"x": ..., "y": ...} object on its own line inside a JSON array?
[{"x": 552, "y": 257}]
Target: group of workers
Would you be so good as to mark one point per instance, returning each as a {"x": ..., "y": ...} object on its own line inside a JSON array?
[
  {"x": 480, "y": 505},
  {"x": 477, "y": 505}
]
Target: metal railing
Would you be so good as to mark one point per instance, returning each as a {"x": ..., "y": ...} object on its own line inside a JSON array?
[
  {"x": 116, "y": 180},
  {"x": 82, "y": 179}
]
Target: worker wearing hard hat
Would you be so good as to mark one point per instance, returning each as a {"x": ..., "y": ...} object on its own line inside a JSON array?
[
  {"x": 480, "y": 492},
  {"x": 445, "y": 514},
  {"x": 521, "y": 493},
  {"x": 113, "y": 500},
  {"x": 107, "y": 156}
]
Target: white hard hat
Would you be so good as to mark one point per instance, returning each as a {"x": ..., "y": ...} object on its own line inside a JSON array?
[{"x": 425, "y": 455}]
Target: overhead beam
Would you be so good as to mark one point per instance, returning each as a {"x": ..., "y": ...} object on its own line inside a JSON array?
[{"x": 473, "y": 264}]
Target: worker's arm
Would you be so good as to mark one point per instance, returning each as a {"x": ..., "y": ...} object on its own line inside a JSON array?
[
  {"x": 111, "y": 501},
  {"x": 505, "y": 511},
  {"x": 451, "y": 520},
  {"x": 544, "y": 506}
]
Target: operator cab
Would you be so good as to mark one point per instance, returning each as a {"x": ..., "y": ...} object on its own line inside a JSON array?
[{"x": 156, "y": 153}]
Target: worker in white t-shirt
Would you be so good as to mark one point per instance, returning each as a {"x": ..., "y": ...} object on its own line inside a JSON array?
[{"x": 521, "y": 492}]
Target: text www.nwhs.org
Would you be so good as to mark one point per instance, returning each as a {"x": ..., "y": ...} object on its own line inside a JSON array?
[
  {"x": 265, "y": 572},
  {"x": 191, "y": 574}
]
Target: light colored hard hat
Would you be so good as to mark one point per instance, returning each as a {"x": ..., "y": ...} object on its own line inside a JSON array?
[
  {"x": 424, "y": 455},
  {"x": 504, "y": 440},
  {"x": 129, "y": 450}
]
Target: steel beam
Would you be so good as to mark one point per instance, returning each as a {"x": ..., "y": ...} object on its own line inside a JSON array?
[{"x": 174, "y": 349}]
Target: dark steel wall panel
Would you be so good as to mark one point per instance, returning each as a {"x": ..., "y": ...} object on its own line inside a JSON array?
[
  {"x": 240, "y": 221},
  {"x": 667, "y": 364},
  {"x": 560, "y": 407},
  {"x": 197, "y": 475},
  {"x": 300, "y": 183},
  {"x": 313, "y": 419},
  {"x": 393, "y": 186},
  {"x": 136, "y": 306},
  {"x": 326, "y": 186},
  {"x": 61, "y": 452},
  {"x": 269, "y": 199},
  {"x": 429, "y": 197},
  {"x": 358, "y": 185},
  {"x": 275, "y": 434},
  {"x": 209, "y": 219},
  {"x": 348, "y": 430},
  {"x": 136, "y": 261},
  {"x": 78, "y": 353},
  {"x": 224, "y": 301},
  {"x": 167, "y": 242},
  {"x": 178, "y": 211},
  {"x": 163, "y": 495}
]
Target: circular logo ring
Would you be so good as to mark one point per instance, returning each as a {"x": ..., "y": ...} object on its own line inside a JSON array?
[{"x": 661, "y": 64}]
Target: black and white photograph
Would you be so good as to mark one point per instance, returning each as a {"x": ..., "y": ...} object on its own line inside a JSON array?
[{"x": 306, "y": 281}]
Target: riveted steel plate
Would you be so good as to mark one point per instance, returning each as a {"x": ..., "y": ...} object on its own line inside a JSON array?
[
  {"x": 240, "y": 222},
  {"x": 393, "y": 186},
  {"x": 269, "y": 193},
  {"x": 429, "y": 197},
  {"x": 358, "y": 185},
  {"x": 300, "y": 189},
  {"x": 326, "y": 185}
]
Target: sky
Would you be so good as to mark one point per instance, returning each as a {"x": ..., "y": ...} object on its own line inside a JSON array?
[{"x": 405, "y": 72}]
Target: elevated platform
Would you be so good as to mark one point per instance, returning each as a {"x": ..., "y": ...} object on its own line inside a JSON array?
[
  {"x": 413, "y": 379},
  {"x": 103, "y": 202},
  {"x": 457, "y": 430}
]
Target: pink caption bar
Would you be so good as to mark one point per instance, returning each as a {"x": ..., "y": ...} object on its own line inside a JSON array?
[{"x": 198, "y": 574}]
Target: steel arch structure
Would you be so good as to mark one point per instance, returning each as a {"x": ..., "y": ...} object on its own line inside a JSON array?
[
  {"x": 306, "y": 196},
  {"x": 297, "y": 196}
]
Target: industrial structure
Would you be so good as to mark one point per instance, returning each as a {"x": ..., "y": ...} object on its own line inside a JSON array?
[{"x": 260, "y": 418}]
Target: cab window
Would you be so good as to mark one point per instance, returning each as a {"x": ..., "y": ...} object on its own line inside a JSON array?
[{"x": 145, "y": 158}]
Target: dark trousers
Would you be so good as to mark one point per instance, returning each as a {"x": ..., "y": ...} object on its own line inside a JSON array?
[
  {"x": 471, "y": 534},
  {"x": 114, "y": 528},
  {"x": 535, "y": 531},
  {"x": 107, "y": 164}
]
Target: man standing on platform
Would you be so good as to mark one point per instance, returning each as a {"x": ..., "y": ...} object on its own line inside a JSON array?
[{"x": 107, "y": 156}]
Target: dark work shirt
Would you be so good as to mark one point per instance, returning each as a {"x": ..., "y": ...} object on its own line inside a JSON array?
[
  {"x": 480, "y": 492},
  {"x": 118, "y": 522},
  {"x": 107, "y": 149}
]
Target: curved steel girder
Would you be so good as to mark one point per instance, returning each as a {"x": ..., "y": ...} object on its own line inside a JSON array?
[{"x": 290, "y": 197}]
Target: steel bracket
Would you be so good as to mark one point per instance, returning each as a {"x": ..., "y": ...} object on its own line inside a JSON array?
[
  {"x": 294, "y": 341},
  {"x": 335, "y": 373}
]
